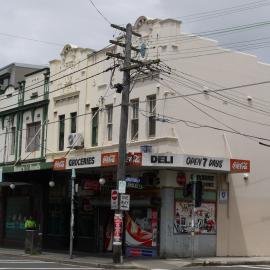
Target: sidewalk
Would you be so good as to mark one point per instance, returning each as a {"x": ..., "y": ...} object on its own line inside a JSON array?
[{"x": 136, "y": 263}]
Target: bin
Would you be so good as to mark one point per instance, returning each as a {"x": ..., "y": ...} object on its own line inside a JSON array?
[{"x": 33, "y": 242}]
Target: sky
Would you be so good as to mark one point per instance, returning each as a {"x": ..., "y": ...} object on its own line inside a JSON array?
[{"x": 77, "y": 22}]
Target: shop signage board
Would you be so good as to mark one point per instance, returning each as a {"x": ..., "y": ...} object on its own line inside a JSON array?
[
  {"x": 59, "y": 164},
  {"x": 109, "y": 159},
  {"x": 124, "y": 202},
  {"x": 122, "y": 187},
  {"x": 29, "y": 167},
  {"x": 114, "y": 199},
  {"x": 207, "y": 163},
  {"x": 162, "y": 160},
  {"x": 239, "y": 166},
  {"x": 134, "y": 159},
  {"x": 186, "y": 161},
  {"x": 87, "y": 160}
]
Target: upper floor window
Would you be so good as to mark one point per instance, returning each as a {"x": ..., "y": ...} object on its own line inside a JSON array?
[
  {"x": 95, "y": 126},
  {"x": 13, "y": 138},
  {"x": 109, "y": 121},
  {"x": 73, "y": 122},
  {"x": 33, "y": 137},
  {"x": 134, "y": 119},
  {"x": 61, "y": 135},
  {"x": 151, "y": 102}
]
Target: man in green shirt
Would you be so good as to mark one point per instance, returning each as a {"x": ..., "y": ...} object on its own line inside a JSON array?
[{"x": 30, "y": 224}]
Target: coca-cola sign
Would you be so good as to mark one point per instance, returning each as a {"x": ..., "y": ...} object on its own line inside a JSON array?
[
  {"x": 59, "y": 164},
  {"x": 240, "y": 166}
]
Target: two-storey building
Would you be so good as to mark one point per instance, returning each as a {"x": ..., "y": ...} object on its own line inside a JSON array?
[
  {"x": 185, "y": 122},
  {"x": 23, "y": 113}
]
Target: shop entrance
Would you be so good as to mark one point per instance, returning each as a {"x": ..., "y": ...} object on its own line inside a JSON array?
[{"x": 93, "y": 227}]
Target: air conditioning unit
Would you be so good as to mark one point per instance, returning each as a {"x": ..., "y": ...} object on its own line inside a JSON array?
[{"x": 75, "y": 140}]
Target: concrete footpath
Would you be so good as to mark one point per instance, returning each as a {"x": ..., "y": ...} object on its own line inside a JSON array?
[{"x": 83, "y": 259}]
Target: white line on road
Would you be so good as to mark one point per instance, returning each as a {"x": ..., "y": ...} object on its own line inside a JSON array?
[
  {"x": 18, "y": 262},
  {"x": 49, "y": 268},
  {"x": 255, "y": 266}
]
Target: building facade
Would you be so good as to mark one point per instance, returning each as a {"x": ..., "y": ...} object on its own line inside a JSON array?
[
  {"x": 200, "y": 115},
  {"x": 171, "y": 140},
  {"x": 24, "y": 106}
]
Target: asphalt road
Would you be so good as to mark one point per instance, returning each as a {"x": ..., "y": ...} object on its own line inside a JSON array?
[
  {"x": 15, "y": 263},
  {"x": 233, "y": 267}
]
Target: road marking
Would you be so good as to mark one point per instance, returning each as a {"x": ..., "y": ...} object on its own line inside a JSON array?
[
  {"x": 255, "y": 266},
  {"x": 50, "y": 268},
  {"x": 18, "y": 262},
  {"x": 159, "y": 269}
]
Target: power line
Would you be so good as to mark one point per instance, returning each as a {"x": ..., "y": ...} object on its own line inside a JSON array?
[
  {"x": 66, "y": 119},
  {"x": 31, "y": 39},
  {"x": 197, "y": 125},
  {"x": 58, "y": 89},
  {"x": 233, "y": 101},
  {"x": 222, "y": 95},
  {"x": 214, "y": 91},
  {"x": 92, "y": 3},
  {"x": 228, "y": 114},
  {"x": 230, "y": 11},
  {"x": 50, "y": 82},
  {"x": 217, "y": 31},
  {"x": 210, "y": 12},
  {"x": 211, "y": 83}
]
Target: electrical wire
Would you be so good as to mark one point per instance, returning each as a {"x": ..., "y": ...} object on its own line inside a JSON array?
[
  {"x": 92, "y": 3},
  {"x": 177, "y": 120},
  {"x": 58, "y": 89},
  {"x": 52, "y": 81}
]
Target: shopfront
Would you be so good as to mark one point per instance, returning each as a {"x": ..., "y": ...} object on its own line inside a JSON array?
[
  {"x": 21, "y": 196},
  {"x": 93, "y": 214},
  {"x": 158, "y": 222}
]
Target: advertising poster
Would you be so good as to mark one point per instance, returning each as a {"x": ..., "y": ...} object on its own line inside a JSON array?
[
  {"x": 141, "y": 228},
  {"x": 205, "y": 218}
]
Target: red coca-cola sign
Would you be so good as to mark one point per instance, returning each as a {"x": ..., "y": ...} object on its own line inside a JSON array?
[
  {"x": 59, "y": 164},
  {"x": 239, "y": 166}
]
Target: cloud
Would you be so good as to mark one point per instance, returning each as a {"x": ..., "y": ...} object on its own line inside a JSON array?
[{"x": 77, "y": 22}]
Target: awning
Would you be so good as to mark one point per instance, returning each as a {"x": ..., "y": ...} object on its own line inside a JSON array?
[{"x": 7, "y": 184}]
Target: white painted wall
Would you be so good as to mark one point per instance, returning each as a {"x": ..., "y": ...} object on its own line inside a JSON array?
[{"x": 246, "y": 226}]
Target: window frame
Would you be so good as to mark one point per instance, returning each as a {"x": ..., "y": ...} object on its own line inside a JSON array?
[
  {"x": 33, "y": 145},
  {"x": 13, "y": 141},
  {"x": 152, "y": 127},
  {"x": 73, "y": 122},
  {"x": 94, "y": 125},
  {"x": 109, "y": 109},
  {"x": 61, "y": 132},
  {"x": 134, "y": 119}
]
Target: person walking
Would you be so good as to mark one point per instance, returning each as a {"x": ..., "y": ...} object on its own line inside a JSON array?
[{"x": 30, "y": 224}]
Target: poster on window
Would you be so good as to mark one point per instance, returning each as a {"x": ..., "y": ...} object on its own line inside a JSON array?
[
  {"x": 205, "y": 218},
  {"x": 141, "y": 227}
]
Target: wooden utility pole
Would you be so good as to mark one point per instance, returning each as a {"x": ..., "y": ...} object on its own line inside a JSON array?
[{"x": 122, "y": 149}]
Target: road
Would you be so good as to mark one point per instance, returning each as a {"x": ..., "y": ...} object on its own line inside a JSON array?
[
  {"x": 16, "y": 263},
  {"x": 233, "y": 267},
  {"x": 22, "y": 263}
]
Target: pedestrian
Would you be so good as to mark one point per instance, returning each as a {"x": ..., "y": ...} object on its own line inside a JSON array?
[{"x": 30, "y": 224}]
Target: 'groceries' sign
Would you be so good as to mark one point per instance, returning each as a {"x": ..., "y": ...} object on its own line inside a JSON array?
[{"x": 84, "y": 161}]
